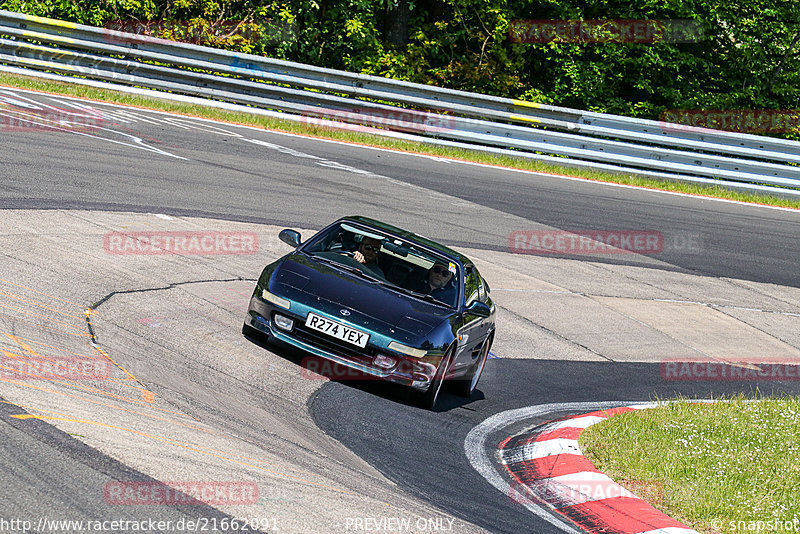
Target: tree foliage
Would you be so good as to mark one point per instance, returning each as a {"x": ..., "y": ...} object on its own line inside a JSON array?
[{"x": 747, "y": 57}]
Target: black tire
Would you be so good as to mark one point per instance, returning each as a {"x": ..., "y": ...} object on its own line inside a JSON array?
[
  {"x": 249, "y": 331},
  {"x": 428, "y": 398},
  {"x": 466, "y": 385}
]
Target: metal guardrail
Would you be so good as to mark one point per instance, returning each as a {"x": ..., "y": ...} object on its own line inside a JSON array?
[{"x": 534, "y": 130}]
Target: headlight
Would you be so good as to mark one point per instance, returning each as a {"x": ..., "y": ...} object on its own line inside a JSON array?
[
  {"x": 410, "y": 351},
  {"x": 275, "y": 299}
]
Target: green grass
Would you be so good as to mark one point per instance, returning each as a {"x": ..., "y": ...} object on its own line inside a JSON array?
[
  {"x": 719, "y": 464},
  {"x": 92, "y": 93}
]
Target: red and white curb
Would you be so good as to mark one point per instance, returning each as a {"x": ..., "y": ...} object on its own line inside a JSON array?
[{"x": 549, "y": 468}]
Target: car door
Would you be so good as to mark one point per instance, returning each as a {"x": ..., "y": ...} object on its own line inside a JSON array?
[{"x": 474, "y": 328}]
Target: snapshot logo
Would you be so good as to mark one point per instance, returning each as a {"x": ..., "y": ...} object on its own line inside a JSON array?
[
  {"x": 404, "y": 120},
  {"x": 734, "y": 370},
  {"x": 586, "y": 242},
  {"x": 197, "y": 32},
  {"x": 182, "y": 243},
  {"x": 754, "y": 121},
  {"x": 565, "y": 491},
  {"x": 174, "y": 493},
  {"x": 15, "y": 119},
  {"x": 605, "y": 31},
  {"x": 19, "y": 367},
  {"x": 760, "y": 525}
]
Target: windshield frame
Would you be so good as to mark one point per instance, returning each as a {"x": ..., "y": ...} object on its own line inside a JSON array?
[{"x": 428, "y": 254}]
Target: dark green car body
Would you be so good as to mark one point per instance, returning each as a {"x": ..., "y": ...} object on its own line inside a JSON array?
[{"x": 320, "y": 299}]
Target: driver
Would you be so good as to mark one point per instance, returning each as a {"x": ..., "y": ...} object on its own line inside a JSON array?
[
  {"x": 367, "y": 254},
  {"x": 437, "y": 283}
]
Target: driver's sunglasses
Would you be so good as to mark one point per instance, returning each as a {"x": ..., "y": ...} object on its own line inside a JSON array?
[
  {"x": 440, "y": 270},
  {"x": 370, "y": 248}
]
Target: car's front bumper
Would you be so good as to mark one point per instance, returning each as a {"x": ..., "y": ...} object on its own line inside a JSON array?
[{"x": 407, "y": 371}]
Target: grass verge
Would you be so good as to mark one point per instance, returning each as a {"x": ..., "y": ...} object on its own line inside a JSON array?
[
  {"x": 117, "y": 97},
  {"x": 722, "y": 467}
]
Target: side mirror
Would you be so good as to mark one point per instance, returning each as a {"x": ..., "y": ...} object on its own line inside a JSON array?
[
  {"x": 481, "y": 309},
  {"x": 290, "y": 237}
]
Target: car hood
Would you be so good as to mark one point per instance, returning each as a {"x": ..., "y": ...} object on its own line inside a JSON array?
[{"x": 323, "y": 287}]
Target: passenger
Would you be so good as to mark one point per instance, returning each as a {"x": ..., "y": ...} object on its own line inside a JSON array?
[
  {"x": 437, "y": 283},
  {"x": 367, "y": 254}
]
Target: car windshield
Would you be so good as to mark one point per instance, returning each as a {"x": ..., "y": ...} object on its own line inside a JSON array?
[{"x": 397, "y": 263}]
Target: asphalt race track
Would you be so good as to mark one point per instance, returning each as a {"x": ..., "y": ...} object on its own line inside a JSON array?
[{"x": 183, "y": 396}]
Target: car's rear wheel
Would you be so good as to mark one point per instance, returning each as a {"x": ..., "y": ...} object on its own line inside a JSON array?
[
  {"x": 466, "y": 385},
  {"x": 428, "y": 399}
]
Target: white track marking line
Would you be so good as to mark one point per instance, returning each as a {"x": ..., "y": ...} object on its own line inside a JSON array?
[
  {"x": 43, "y": 122},
  {"x": 285, "y": 116},
  {"x": 585, "y": 421},
  {"x": 540, "y": 449},
  {"x": 283, "y": 149},
  {"x": 475, "y": 449},
  {"x": 670, "y": 530}
]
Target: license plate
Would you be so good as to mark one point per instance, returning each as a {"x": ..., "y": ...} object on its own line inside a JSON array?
[{"x": 337, "y": 330}]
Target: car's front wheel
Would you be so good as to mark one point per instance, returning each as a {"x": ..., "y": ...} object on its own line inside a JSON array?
[
  {"x": 466, "y": 385},
  {"x": 428, "y": 399},
  {"x": 257, "y": 336},
  {"x": 249, "y": 331}
]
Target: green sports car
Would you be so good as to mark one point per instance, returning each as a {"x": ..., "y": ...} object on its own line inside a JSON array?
[{"x": 388, "y": 303}]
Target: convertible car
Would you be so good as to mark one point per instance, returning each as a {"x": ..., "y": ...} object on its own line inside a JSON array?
[{"x": 383, "y": 301}]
